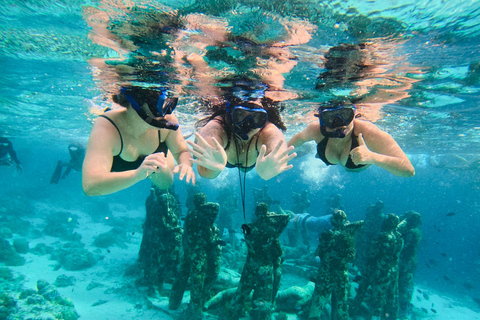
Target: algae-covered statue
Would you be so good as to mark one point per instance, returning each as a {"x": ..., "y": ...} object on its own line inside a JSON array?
[
  {"x": 336, "y": 249},
  {"x": 161, "y": 245},
  {"x": 407, "y": 265},
  {"x": 262, "y": 271},
  {"x": 382, "y": 272},
  {"x": 202, "y": 257}
]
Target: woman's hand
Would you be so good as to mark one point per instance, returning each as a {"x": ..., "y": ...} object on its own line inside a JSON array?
[
  {"x": 185, "y": 170},
  {"x": 361, "y": 154},
  {"x": 212, "y": 157},
  {"x": 153, "y": 163},
  {"x": 275, "y": 162}
]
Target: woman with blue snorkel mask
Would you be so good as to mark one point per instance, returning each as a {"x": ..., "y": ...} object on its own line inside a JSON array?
[
  {"x": 245, "y": 132},
  {"x": 127, "y": 145},
  {"x": 352, "y": 143}
]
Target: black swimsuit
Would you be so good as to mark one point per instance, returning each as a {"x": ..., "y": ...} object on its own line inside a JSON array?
[
  {"x": 322, "y": 146},
  {"x": 120, "y": 165},
  {"x": 238, "y": 165}
]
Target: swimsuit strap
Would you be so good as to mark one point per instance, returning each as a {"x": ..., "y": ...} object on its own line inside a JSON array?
[{"x": 119, "y": 133}]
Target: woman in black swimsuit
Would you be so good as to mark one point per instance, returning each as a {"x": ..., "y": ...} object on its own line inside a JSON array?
[
  {"x": 352, "y": 143},
  {"x": 245, "y": 132},
  {"x": 130, "y": 144}
]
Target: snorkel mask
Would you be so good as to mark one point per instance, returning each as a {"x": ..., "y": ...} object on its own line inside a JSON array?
[
  {"x": 335, "y": 119},
  {"x": 154, "y": 113},
  {"x": 247, "y": 117}
]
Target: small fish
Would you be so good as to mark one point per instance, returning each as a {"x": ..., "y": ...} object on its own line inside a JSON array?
[
  {"x": 433, "y": 310},
  {"x": 133, "y": 233},
  {"x": 443, "y": 254},
  {"x": 419, "y": 299},
  {"x": 427, "y": 265},
  {"x": 108, "y": 250},
  {"x": 450, "y": 214},
  {"x": 419, "y": 291},
  {"x": 426, "y": 296},
  {"x": 468, "y": 286},
  {"x": 424, "y": 310},
  {"x": 357, "y": 278},
  {"x": 476, "y": 300},
  {"x": 446, "y": 278}
]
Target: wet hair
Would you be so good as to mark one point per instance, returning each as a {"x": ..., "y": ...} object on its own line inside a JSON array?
[
  {"x": 335, "y": 103},
  {"x": 141, "y": 95},
  {"x": 345, "y": 64}
]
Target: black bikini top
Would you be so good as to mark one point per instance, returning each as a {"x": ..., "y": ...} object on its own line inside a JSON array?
[
  {"x": 120, "y": 165},
  {"x": 322, "y": 146}
]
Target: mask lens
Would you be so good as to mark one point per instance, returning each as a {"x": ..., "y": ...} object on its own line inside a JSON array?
[
  {"x": 242, "y": 115},
  {"x": 328, "y": 117}
]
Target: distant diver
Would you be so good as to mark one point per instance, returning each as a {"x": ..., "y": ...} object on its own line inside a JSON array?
[
  {"x": 77, "y": 153},
  {"x": 8, "y": 154}
]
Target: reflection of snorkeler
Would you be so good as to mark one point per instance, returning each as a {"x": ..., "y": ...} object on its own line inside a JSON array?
[
  {"x": 352, "y": 143},
  {"x": 77, "y": 153},
  {"x": 8, "y": 154}
]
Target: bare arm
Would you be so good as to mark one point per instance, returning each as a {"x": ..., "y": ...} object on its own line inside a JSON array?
[
  {"x": 102, "y": 145},
  {"x": 311, "y": 132},
  {"x": 178, "y": 147},
  {"x": 379, "y": 148}
]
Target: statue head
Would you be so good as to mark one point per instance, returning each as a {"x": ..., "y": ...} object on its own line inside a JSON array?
[
  {"x": 390, "y": 222},
  {"x": 338, "y": 219}
]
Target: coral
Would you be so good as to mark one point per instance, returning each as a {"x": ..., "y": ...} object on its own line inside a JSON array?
[
  {"x": 63, "y": 281},
  {"x": 21, "y": 245},
  {"x": 8, "y": 255},
  {"x": 6, "y": 274},
  {"x": 116, "y": 236},
  {"x": 73, "y": 256}
]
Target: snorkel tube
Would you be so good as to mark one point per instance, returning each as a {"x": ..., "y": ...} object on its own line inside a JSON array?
[{"x": 158, "y": 122}]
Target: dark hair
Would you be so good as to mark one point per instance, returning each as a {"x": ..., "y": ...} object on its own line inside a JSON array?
[
  {"x": 220, "y": 110},
  {"x": 141, "y": 95},
  {"x": 335, "y": 103}
]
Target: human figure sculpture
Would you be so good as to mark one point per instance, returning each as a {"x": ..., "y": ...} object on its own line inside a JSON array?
[
  {"x": 382, "y": 272},
  {"x": 202, "y": 256},
  {"x": 161, "y": 245},
  {"x": 262, "y": 270},
  {"x": 336, "y": 249},
  {"x": 407, "y": 265}
]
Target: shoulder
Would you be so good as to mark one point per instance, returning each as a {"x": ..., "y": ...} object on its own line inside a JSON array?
[{"x": 368, "y": 130}]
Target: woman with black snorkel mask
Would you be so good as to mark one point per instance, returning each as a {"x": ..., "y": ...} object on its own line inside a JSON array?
[
  {"x": 130, "y": 144},
  {"x": 352, "y": 143},
  {"x": 244, "y": 132}
]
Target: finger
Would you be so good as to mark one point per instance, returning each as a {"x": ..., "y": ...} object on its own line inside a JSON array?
[
  {"x": 196, "y": 161},
  {"x": 193, "y": 178},
  {"x": 262, "y": 151},
  {"x": 361, "y": 141},
  {"x": 182, "y": 173},
  {"x": 277, "y": 147},
  {"x": 202, "y": 141},
  {"x": 288, "y": 158},
  {"x": 176, "y": 169},
  {"x": 285, "y": 168},
  {"x": 196, "y": 146},
  {"x": 196, "y": 154},
  {"x": 287, "y": 151},
  {"x": 217, "y": 144}
]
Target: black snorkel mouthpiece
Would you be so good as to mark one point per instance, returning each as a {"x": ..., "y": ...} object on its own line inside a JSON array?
[
  {"x": 338, "y": 133},
  {"x": 159, "y": 123}
]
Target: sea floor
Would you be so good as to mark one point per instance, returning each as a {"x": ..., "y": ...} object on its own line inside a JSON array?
[{"x": 114, "y": 295}]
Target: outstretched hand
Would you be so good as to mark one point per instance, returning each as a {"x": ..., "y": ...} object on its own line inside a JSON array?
[
  {"x": 212, "y": 157},
  {"x": 275, "y": 162},
  {"x": 361, "y": 154}
]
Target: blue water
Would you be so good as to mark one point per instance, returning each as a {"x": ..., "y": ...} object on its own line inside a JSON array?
[{"x": 50, "y": 93}]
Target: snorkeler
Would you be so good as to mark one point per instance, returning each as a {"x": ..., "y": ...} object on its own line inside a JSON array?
[
  {"x": 244, "y": 132},
  {"x": 131, "y": 144},
  {"x": 8, "y": 154},
  {"x": 352, "y": 143},
  {"x": 77, "y": 153}
]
